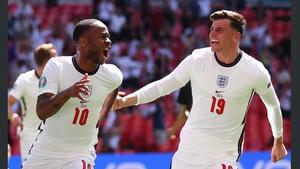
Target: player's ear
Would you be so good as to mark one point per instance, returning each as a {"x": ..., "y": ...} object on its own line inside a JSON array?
[
  {"x": 238, "y": 36},
  {"x": 82, "y": 41}
]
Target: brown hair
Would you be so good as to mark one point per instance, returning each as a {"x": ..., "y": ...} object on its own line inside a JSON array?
[
  {"x": 238, "y": 21},
  {"x": 43, "y": 53}
]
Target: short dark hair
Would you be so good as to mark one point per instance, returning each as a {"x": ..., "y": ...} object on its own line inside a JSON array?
[
  {"x": 238, "y": 21},
  {"x": 43, "y": 53},
  {"x": 81, "y": 27}
]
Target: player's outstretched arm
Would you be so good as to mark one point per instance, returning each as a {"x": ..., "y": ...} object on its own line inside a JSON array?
[
  {"x": 278, "y": 150},
  {"x": 48, "y": 103}
]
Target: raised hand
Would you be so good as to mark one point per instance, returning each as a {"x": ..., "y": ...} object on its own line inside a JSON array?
[
  {"x": 79, "y": 88},
  {"x": 171, "y": 133}
]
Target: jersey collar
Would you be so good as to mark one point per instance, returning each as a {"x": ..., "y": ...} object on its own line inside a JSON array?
[
  {"x": 82, "y": 71},
  {"x": 36, "y": 74},
  {"x": 228, "y": 64}
]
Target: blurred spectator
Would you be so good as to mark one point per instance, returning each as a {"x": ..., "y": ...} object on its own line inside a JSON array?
[
  {"x": 105, "y": 9},
  {"x": 118, "y": 20},
  {"x": 285, "y": 101},
  {"x": 24, "y": 9}
]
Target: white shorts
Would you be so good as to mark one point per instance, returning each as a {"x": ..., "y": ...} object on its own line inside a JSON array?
[
  {"x": 38, "y": 161},
  {"x": 61, "y": 163},
  {"x": 203, "y": 160},
  {"x": 26, "y": 140}
]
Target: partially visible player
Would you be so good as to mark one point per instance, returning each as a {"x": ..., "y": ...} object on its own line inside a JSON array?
[
  {"x": 8, "y": 153},
  {"x": 223, "y": 80},
  {"x": 185, "y": 102},
  {"x": 25, "y": 90},
  {"x": 73, "y": 92}
]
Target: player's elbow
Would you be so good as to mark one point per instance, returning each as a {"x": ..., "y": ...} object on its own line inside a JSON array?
[
  {"x": 43, "y": 107},
  {"x": 40, "y": 113},
  {"x": 41, "y": 116}
]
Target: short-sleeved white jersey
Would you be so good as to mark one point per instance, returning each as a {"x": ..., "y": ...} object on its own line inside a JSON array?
[
  {"x": 74, "y": 127},
  {"x": 25, "y": 89},
  {"x": 221, "y": 98}
]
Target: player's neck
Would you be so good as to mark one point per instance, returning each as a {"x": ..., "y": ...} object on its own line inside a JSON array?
[
  {"x": 228, "y": 57},
  {"x": 39, "y": 71},
  {"x": 85, "y": 64}
]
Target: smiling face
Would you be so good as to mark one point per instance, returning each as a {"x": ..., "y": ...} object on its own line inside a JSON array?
[
  {"x": 222, "y": 36},
  {"x": 96, "y": 42}
]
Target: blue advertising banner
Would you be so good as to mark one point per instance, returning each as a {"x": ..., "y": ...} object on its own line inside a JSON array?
[
  {"x": 249, "y": 160},
  {"x": 262, "y": 160}
]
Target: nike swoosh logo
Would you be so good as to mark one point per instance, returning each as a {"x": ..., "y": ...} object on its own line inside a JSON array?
[
  {"x": 83, "y": 101},
  {"x": 217, "y": 91}
]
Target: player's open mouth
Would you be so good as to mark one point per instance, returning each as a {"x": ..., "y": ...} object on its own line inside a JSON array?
[
  {"x": 214, "y": 42},
  {"x": 105, "y": 53}
]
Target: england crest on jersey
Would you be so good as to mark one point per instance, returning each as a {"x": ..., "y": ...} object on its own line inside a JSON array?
[
  {"x": 90, "y": 91},
  {"x": 222, "y": 81}
]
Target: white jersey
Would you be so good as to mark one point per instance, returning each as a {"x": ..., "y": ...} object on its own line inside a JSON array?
[
  {"x": 25, "y": 89},
  {"x": 74, "y": 127},
  {"x": 221, "y": 98}
]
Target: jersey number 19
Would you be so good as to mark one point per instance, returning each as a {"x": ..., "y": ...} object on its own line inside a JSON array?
[{"x": 217, "y": 105}]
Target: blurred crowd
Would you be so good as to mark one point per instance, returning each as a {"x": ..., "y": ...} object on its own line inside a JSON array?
[{"x": 149, "y": 39}]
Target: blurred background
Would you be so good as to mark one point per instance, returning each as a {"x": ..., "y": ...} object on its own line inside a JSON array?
[{"x": 150, "y": 38}]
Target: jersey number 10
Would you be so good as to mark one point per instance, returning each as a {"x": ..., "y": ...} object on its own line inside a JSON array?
[
  {"x": 226, "y": 167},
  {"x": 217, "y": 105},
  {"x": 83, "y": 117}
]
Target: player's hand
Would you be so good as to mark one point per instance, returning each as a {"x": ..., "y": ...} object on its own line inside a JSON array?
[
  {"x": 79, "y": 88},
  {"x": 278, "y": 150},
  {"x": 119, "y": 101},
  {"x": 8, "y": 152},
  {"x": 16, "y": 120},
  {"x": 171, "y": 133}
]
